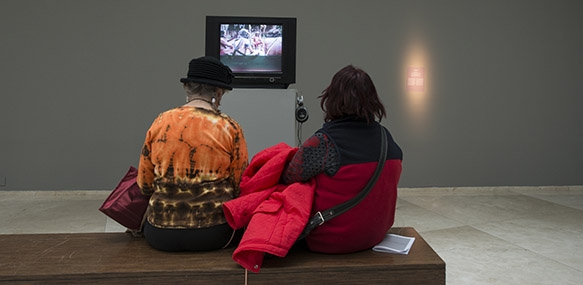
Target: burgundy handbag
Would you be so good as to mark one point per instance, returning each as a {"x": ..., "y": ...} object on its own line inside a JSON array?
[{"x": 126, "y": 204}]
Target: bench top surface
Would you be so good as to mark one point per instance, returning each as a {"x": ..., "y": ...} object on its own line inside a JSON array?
[{"x": 116, "y": 253}]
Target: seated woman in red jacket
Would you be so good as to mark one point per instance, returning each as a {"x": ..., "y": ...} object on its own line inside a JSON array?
[{"x": 341, "y": 157}]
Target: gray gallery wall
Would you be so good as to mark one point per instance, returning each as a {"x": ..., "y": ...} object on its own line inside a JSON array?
[{"x": 80, "y": 82}]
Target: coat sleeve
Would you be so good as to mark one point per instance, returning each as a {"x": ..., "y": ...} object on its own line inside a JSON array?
[
  {"x": 259, "y": 180},
  {"x": 239, "y": 212}
]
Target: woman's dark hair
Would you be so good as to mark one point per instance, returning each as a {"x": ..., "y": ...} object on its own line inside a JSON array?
[{"x": 351, "y": 94}]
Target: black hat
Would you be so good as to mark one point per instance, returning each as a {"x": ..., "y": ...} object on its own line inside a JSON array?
[{"x": 209, "y": 70}]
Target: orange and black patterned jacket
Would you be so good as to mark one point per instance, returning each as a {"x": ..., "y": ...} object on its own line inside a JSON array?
[{"x": 191, "y": 163}]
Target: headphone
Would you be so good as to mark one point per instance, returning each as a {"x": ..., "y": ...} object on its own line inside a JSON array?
[{"x": 301, "y": 110}]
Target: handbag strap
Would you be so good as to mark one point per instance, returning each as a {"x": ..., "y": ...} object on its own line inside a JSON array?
[{"x": 322, "y": 216}]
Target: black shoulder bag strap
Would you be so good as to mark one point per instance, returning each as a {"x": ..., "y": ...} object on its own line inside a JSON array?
[{"x": 322, "y": 216}]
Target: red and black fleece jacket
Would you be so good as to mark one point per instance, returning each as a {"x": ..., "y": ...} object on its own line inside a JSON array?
[{"x": 342, "y": 157}]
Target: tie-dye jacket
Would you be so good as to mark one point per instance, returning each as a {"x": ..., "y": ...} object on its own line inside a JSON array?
[{"x": 191, "y": 163}]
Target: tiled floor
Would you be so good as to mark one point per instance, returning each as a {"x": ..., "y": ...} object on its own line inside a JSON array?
[{"x": 503, "y": 235}]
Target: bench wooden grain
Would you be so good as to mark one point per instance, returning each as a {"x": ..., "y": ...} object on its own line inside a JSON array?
[{"x": 106, "y": 258}]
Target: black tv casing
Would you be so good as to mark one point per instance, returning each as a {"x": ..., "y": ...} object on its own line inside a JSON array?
[{"x": 254, "y": 79}]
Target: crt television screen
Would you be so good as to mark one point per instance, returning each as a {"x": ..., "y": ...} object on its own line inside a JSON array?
[{"x": 252, "y": 48}]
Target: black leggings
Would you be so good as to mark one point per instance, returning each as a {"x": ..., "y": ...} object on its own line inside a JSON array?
[{"x": 211, "y": 238}]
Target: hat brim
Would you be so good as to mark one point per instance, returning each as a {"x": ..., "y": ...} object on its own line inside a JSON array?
[{"x": 206, "y": 81}]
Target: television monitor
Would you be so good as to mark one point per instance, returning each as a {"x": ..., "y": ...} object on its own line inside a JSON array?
[{"x": 261, "y": 51}]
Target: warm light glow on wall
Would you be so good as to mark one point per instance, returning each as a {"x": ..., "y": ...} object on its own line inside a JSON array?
[
  {"x": 416, "y": 79},
  {"x": 416, "y": 72},
  {"x": 416, "y": 69}
]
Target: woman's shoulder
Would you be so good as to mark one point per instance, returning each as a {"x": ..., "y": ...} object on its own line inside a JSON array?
[
  {"x": 172, "y": 112},
  {"x": 230, "y": 119},
  {"x": 348, "y": 126}
]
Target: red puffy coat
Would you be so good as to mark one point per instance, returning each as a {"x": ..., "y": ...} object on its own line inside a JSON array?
[{"x": 275, "y": 214}]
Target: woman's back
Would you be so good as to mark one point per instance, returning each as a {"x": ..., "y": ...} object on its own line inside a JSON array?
[
  {"x": 361, "y": 227},
  {"x": 190, "y": 151},
  {"x": 341, "y": 157}
]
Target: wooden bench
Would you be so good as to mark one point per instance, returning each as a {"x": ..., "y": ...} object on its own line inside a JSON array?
[{"x": 119, "y": 258}]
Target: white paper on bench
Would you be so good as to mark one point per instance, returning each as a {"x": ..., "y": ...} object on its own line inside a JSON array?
[{"x": 393, "y": 243}]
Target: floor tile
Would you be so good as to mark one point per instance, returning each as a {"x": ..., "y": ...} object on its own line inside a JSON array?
[
  {"x": 53, "y": 215},
  {"x": 112, "y": 226},
  {"x": 566, "y": 196},
  {"x": 480, "y": 208},
  {"x": 475, "y": 257},
  {"x": 558, "y": 237},
  {"x": 410, "y": 215}
]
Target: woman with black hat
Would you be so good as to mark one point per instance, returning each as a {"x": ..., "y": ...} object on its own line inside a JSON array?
[{"x": 191, "y": 163}]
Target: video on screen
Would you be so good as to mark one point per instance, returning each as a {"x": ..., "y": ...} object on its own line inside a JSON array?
[{"x": 251, "y": 47}]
